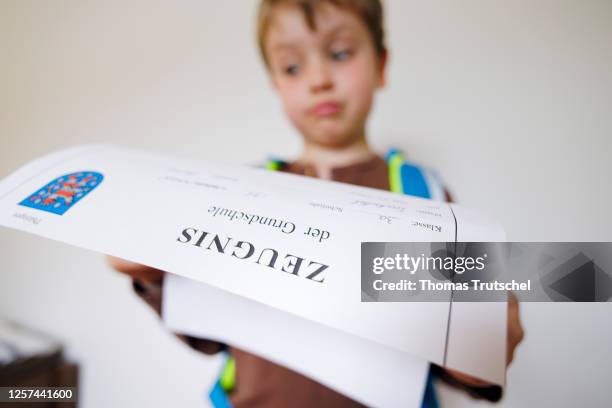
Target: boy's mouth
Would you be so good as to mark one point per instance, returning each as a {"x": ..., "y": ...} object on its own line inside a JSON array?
[{"x": 324, "y": 109}]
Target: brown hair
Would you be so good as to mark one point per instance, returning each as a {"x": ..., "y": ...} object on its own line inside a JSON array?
[{"x": 370, "y": 11}]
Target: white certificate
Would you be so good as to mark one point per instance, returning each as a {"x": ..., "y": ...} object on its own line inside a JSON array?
[
  {"x": 367, "y": 372},
  {"x": 287, "y": 242}
]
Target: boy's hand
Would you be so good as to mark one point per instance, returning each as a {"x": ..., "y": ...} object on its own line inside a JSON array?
[
  {"x": 515, "y": 336},
  {"x": 136, "y": 271}
]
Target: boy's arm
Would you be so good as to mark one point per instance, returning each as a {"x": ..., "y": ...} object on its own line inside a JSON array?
[{"x": 147, "y": 282}]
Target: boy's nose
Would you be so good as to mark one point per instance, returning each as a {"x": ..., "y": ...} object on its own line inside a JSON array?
[{"x": 320, "y": 78}]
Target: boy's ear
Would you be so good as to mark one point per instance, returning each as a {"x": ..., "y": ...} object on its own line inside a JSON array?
[{"x": 382, "y": 69}]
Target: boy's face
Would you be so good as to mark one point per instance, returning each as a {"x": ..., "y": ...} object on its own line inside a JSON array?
[{"x": 327, "y": 77}]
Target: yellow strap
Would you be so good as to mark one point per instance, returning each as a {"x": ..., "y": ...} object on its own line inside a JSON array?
[
  {"x": 273, "y": 165},
  {"x": 228, "y": 376},
  {"x": 395, "y": 173}
]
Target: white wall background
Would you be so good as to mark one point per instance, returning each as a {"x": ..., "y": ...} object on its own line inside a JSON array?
[{"x": 510, "y": 100}]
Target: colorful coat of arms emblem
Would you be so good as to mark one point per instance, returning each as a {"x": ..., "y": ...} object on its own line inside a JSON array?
[{"x": 62, "y": 193}]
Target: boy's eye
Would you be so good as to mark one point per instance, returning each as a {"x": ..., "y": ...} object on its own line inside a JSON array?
[
  {"x": 292, "y": 69},
  {"x": 341, "y": 55}
]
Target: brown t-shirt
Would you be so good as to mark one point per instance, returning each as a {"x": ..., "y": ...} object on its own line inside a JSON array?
[{"x": 261, "y": 383}]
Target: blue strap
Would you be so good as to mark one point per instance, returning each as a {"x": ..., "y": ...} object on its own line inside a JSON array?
[
  {"x": 218, "y": 397},
  {"x": 406, "y": 177},
  {"x": 413, "y": 181},
  {"x": 430, "y": 399}
]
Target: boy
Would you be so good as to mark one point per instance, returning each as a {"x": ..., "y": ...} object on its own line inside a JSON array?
[{"x": 326, "y": 59}]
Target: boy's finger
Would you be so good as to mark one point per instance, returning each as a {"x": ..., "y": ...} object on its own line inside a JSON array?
[
  {"x": 467, "y": 379},
  {"x": 135, "y": 270},
  {"x": 515, "y": 329}
]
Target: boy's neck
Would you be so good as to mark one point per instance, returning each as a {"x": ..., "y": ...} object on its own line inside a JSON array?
[{"x": 324, "y": 158}]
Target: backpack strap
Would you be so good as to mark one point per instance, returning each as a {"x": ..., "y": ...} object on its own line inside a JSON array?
[
  {"x": 275, "y": 164},
  {"x": 218, "y": 397},
  {"x": 409, "y": 178},
  {"x": 225, "y": 384}
]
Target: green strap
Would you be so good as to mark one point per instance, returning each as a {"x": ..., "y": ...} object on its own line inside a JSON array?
[
  {"x": 395, "y": 172},
  {"x": 228, "y": 376},
  {"x": 274, "y": 165}
]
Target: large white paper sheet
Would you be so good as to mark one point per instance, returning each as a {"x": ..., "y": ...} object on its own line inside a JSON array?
[
  {"x": 365, "y": 371},
  {"x": 222, "y": 225}
]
